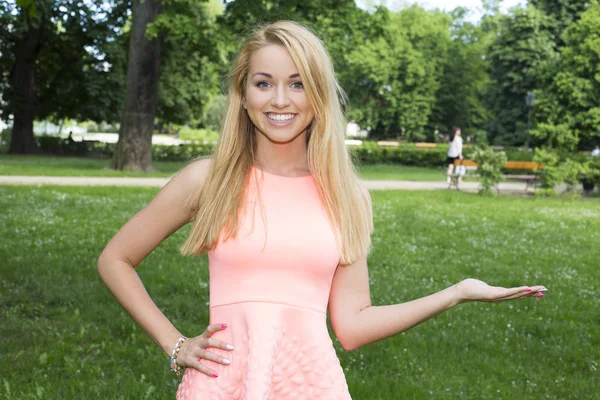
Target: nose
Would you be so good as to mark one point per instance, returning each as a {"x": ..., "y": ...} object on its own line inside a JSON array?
[{"x": 280, "y": 97}]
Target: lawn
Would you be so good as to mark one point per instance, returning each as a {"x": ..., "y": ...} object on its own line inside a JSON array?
[
  {"x": 72, "y": 166},
  {"x": 64, "y": 336}
]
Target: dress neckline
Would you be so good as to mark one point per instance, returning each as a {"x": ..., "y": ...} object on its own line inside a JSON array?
[{"x": 254, "y": 167}]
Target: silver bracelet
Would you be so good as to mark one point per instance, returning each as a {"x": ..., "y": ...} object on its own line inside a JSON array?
[{"x": 173, "y": 363}]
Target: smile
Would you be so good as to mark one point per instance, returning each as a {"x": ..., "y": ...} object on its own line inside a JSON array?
[{"x": 280, "y": 117}]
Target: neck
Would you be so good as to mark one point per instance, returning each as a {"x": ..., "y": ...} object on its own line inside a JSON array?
[{"x": 288, "y": 159}]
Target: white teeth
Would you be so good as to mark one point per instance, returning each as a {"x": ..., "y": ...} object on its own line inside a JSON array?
[{"x": 280, "y": 117}]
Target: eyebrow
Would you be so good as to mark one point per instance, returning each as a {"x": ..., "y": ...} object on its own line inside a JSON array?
[{"x": 271, "y": 76}]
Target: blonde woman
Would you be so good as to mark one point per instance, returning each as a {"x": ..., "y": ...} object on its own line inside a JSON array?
[{"x": 286, "y": 225}]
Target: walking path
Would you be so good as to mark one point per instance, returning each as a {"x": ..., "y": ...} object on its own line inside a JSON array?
[{"x": 505, "y": 187}]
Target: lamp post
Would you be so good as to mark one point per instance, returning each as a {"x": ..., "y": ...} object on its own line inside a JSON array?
[{"x": 529, "y": 100}]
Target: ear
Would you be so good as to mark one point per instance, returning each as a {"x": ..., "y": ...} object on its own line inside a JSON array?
[{"x": 244, "y": 103}]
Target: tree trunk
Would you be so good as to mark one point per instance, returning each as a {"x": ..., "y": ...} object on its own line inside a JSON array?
[
  {"x": 134, "y": 148},
  {"x": 24, "y": 99}
]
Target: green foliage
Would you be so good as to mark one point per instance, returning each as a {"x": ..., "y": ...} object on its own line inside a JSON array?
[
  {"x": 404, "y": 155},
  {"x": 79, "y": 57},
  {"x": 490, "y": 163},
  {"x": 59, "y": 146},
  {"x": 562, "y": 13},
  {"x": 411, "y": 73},
  {"x": 216, "y": 113},
  {"x": 198, "y": 135},
  {"x": 551, "y": 175},
  {"x": 556, "y": 172},
  {"x": 573, "y": 172},
  {"x": 193, "y": 58},
  {"x": 517, "y": 57},
  {"x": 397, "y": 73},
  {"x": 573, "y": 93},
  {"x": 559, "y": 136},
  {"x": 465, "y": 76},
  {"x": 593, "y": 173}
]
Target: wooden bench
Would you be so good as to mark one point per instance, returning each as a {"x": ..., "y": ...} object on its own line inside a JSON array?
[
  {"x": 530, "y": 179},
  {"x": 425, "y": 145}
]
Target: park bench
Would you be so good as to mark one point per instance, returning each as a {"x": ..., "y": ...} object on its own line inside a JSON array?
[{"x": 530, "y": 178}]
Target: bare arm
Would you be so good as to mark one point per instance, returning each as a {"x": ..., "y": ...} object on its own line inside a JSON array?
[
  {"x": 163, "y": 216},
  {"x": 356, "y": 322}
]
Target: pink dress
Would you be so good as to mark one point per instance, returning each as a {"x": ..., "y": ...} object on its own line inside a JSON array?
[{"x": 271, "y": 287}]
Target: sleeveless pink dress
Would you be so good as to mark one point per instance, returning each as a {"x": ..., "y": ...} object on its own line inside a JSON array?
[{"x": 271, "y": 286}]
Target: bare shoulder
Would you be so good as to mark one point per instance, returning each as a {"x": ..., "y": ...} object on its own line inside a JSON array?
[
  {"x": 167, "y": 212},
  {"x": 193, "y": 175}
]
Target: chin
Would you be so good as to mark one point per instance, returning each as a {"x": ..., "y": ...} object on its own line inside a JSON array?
[{"x": 282, "y": 138}]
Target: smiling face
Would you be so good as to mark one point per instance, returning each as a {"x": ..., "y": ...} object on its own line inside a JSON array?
[{"x": 275, "y": 97}]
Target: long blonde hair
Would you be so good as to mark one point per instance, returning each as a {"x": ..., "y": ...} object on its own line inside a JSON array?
[{"x": 218, "y": 203}]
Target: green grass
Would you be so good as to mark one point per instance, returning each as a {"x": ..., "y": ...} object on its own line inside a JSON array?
[
  {"x": 72, "y": 166},
  {"x": 65, "y": 337}
]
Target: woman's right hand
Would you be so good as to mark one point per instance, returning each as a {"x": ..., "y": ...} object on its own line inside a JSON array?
[{"x": 193, "y": 350}]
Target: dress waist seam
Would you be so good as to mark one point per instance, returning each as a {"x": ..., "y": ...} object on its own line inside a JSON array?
[{"x": 268, "y": 302}]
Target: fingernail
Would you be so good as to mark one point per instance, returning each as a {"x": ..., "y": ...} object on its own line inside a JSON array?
[
  {"x": 528, "y": 290},
  {"x": 542, "y": 290},
  {"x": 215, "y": 375},
  {"x": 229, "y": 347},
  {"x": 540, "y": 295},
  {"x": 223, "y": 326},
  {"x": 226, "y": 361}
]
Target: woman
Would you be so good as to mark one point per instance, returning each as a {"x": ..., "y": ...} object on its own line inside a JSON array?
[
  {"x": 286, "y": 225},
  {"x": 454, "y": 152}
]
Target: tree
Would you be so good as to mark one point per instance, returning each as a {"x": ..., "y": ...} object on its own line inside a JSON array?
[
  {"x": 63, "y": 57},
  {"x": 397, "y": 72},
  {"x": 180, "y": 38},
  {"x": 570, "y": 102},
  {"x": 562, "y": 13},
  {"x": 459, "y": 100},
  {"x": 134, "y": 148},
  {"x": 194, "y": 56},
  {"x": 517, "y": 60}
]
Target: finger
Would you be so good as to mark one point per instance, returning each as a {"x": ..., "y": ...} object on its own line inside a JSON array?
[
  {"x": 197, "y": 365},
  {"x": 217, "y": 344},
  {"x": 501, "y": 293},
  {"x": 213, "y": 328},
  {"x": 208, "y": 355},
  {"x": 530, "y": 293}
]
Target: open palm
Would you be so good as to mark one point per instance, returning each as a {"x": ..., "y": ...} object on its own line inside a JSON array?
[{"x": 476, "y": 290}]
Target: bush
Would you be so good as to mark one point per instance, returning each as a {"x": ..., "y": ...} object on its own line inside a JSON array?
[
  {"x": 216, "y": 113},
  {"x": 490, "y": 163},
  {"x": 198, "y": 135},
  {"x": 183, "y": 152},
  {"x": 404, "y": 154},
  {"x": 573, "y": 172},
  {"x": 551, "y": 175},
  {"x": 558, "y": 170}
]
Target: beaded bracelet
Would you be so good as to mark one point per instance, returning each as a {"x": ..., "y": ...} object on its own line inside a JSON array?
[{"x": 173, "y": 363}]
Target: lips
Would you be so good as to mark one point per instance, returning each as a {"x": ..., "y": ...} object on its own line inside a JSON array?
[{"x": 280, "y": 117}]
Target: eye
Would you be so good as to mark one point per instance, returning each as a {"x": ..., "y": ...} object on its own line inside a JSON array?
[
  {"x": 262, "y": 84},
  {"x": 297, "y": 85}
]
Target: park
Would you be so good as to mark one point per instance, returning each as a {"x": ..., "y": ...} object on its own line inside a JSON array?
[{"x": 85, "y": 145}]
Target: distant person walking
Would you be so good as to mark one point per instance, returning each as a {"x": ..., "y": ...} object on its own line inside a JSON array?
[
  {"x": 596, "y": 151},
  {"x": 454, "y": 151}
]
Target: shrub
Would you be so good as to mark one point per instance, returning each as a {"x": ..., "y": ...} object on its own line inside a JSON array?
[
  {"x": 490, "y": 163},
  {"x": 551, "y": 175},
  {"x": 573, "y": 172},
  {"x": 198, "y": 135}
]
